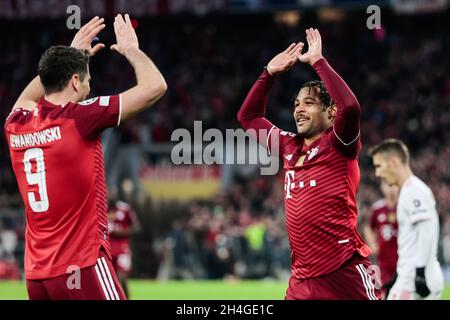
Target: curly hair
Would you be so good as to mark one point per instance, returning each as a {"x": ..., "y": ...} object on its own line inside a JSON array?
[{"x": 324, "y": 96}]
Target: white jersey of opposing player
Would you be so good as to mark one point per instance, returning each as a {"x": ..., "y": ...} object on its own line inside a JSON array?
[{"x": 415, "y": 204}]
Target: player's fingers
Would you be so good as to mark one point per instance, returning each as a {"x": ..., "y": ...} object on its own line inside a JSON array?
[
  {"x": 294, "y": 57},
  {"x": 121, "y": 20},
  {"x": 116, "y": 27},
  {"x": 116, "y": 19},
  {"x": 293, "y": 49},
  {"x": 114, "y": 48},
  {"x": 313, "y": 35},
  {"x": 318, "y": 36},
  {"x": 310, "y": 33},
  {"x": 300, "y": 49},
  {"x": 97, "y": 48},
  {"x": 297, "y": 52},
  {"x": 308, "y": 37},
  {"x": 89, "y": 24},
  {"x": 292, "y": 62},
  {"x": 96, "y": 31},
  {"x": 116, "y": 31},
  {"x": 296, "y": 49},
  {"x": 96, "y": 18},
  {"x": 128, "y": 20},
  {"x": 290, "y": 47},
  {"x": 95, "y": 24},
  {"x": 118, "y": 23}
]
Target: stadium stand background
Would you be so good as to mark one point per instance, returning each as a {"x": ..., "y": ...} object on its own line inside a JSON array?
[{"x": 400, "y": 75}]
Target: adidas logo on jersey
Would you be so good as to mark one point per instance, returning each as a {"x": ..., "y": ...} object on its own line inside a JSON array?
[{"x": 312, "y": 152}]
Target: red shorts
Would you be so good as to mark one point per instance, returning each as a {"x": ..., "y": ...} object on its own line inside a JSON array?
[
  {"x": 351, "y": 281},
  {"x": 98, "y": 282}
]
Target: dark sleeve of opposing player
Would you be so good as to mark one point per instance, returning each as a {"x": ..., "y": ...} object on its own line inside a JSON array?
[{"x": 347, "y": 123}]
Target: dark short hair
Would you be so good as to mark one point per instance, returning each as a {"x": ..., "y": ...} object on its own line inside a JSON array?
[
  {"x": 324, "y": 96},
  {"x": 391, "y": 146},
  {"x": 58, "y": 64}
]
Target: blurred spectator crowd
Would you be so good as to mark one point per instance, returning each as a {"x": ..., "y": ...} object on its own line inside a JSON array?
[{"x": 399, "y": 74}]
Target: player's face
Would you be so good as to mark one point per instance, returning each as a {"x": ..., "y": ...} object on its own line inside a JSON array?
[
  {"x": 309, "y": 114},
  {"x": 384, "y": 169}
]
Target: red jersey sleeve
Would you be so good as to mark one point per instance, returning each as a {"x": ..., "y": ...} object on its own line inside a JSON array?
[
  {"x": 251, "y": 116},
  {"x": 346, "y": 129},
  {"x": 94, "y": 115}
]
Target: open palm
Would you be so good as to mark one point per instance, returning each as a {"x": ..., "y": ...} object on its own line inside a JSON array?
[
  {"x": 125, "y": 35},
  {"x": 84, "y": 37},
  {"x": 314, "y": 52},
  {"x": 285, "y": 60}
]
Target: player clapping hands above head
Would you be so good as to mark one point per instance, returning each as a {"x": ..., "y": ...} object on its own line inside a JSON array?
[
  {"x": 329, "y": 258},
  {"x": 56, "y": 153}
]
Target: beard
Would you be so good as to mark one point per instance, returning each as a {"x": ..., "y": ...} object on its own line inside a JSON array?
[{"x": 307, "y": 132}]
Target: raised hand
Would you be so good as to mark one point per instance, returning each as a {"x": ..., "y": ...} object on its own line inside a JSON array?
[
  {"x": 84, "y": 37},
  {"x": 284, "y": 61},
  {"x": 125, "y": 35},
  {"x": 314, "y": 52}
]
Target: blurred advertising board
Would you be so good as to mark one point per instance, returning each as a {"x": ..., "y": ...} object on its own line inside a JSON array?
[{"x": 183, "y": 182}]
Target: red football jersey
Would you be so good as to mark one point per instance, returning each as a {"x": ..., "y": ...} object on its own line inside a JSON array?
[
  {"x": 321, "y": 180},
  {"x": 120, "y": 218},
  {"x": 383, "y": 221},
  {"x": 320, "y": 204},
  {"x": 57, "y": 157}
]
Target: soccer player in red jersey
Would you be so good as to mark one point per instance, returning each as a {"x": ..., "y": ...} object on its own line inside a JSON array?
[
  {"x": 381, "y": 233},
  {"x": 329, "y": 259},
  {"x": 122, "y": 224},
  {"x": 56, "y": 153}
]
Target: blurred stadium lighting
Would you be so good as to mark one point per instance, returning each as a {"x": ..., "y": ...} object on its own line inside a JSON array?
[
  {"x": 331, "y": 15},
  {"x": 287, "y": 18},
  {"x": 419, "y": 6}
]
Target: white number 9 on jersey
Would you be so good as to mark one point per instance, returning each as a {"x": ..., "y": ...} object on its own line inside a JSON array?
[{"x": 36, "y": 178}]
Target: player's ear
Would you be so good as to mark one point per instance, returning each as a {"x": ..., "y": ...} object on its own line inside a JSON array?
[
  {"x": 75, "y": 82},
  {"x": 332, "y": 112}
]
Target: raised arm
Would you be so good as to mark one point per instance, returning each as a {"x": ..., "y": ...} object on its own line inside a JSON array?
[
  {"x": 252, "y": 112},
  {"x": 34, "y": 91},
  {"x": 29, "y": 97},
  {"x": 347, "y": 122},
  {"x": 151, "y": 85}
]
